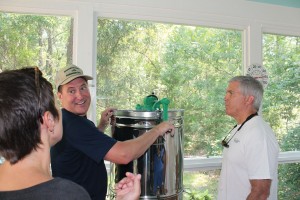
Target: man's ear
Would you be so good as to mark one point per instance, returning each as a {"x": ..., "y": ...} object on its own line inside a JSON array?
[
  {"x": 58, "y": 94},
  {"x": 250, "y": 100}
]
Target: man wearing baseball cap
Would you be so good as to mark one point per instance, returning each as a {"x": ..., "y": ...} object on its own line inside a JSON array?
[{"x": 80, "y": 155}]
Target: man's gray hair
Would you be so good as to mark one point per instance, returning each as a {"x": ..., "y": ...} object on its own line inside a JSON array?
[{"x": 250, "y": 86}]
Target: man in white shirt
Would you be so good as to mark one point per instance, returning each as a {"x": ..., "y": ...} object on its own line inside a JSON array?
[{"x": 250, "y": 156}]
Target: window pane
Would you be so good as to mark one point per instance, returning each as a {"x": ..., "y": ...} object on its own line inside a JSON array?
[
  {"x": 282, "y": 95},
  {"x": 282, "y": 106},
  {"x": 35, "y": 40},
  {"x": 205, "y": 183},
  {"x": 289, "y": 181},
  {"x": 201, "y": 185},
  {"x": 189, "y": 65}
]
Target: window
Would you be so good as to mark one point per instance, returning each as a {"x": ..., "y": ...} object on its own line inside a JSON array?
[
  {"x": 189, "y": 65},
  {"x": 282, "y": 105},
  {"x": 201, "y": 184},
  {"x": 35, "y": 40},
  {"x": 288, "y": 181}
]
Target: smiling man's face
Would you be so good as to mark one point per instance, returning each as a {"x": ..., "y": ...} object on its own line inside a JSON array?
[{"x": 75, "y": 96}]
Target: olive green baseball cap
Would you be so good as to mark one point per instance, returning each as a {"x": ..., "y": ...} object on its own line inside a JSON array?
[{"x": 68, "y": 74}]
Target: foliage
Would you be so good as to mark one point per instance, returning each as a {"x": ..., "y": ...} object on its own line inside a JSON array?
[
  {"x": 200, "y": 184},
  {"x": 282, "y": 104},
  {"x": 289, "y": 177},
  {"x": 182, "y": 63},
  {"x": 126, "y": 62},
  {"x": 30, "y": 40},
  {"x": 196, "y": 195},
  {"x": 195, "y": 74},
  {"x": 282, "y": 98}
]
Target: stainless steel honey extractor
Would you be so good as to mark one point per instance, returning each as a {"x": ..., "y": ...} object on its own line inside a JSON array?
[{"x": 161, "y": 166}]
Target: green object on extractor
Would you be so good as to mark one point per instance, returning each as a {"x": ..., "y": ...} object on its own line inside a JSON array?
[{"x": 151, "y": 103}]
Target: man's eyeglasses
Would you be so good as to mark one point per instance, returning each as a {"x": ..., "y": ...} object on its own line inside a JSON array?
[{"x": 225, "y": 142}]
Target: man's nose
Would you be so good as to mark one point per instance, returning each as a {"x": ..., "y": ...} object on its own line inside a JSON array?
[
  {"x": 225, "y": 97},
  {"x": 79, "y": 94}
]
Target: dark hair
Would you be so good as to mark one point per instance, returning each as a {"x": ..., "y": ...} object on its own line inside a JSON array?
[
  {"x": 59, "y": 89},
  {"x": 25, "y": 95}
]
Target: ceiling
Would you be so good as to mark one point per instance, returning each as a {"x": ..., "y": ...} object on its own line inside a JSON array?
[{"x": 288, "y": 3}]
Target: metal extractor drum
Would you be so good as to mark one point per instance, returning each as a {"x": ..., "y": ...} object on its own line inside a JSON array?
[{"x": 161, "y": 166}]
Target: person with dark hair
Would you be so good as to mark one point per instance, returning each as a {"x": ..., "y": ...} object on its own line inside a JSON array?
[
  {"x": 29, "y": 125},
  {"x": 80, "y": 155},
  {"x": 250, "y": 155}
]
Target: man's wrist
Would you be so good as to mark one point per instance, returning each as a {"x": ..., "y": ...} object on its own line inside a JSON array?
[{"x": 102, "y": 127}]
